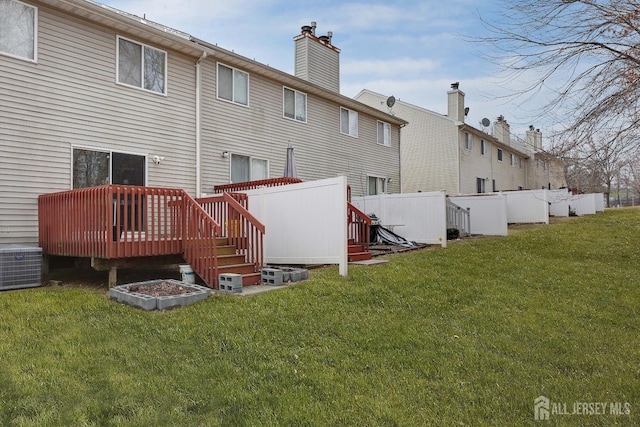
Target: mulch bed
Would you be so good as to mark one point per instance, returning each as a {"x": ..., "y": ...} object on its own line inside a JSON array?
[{"x": 163, "y": 289}]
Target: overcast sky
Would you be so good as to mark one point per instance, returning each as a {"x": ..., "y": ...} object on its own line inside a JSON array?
[{"x": 412, "y": 50}]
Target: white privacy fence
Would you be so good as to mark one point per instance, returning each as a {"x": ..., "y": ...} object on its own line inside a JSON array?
[
  {"x": 528, "y": 206},
  {"x": 560, "y": 202},
  {"x": 305, "y": 223},
  {"x": 488, "y": 212},
  {"x": 418, "y": 217}
]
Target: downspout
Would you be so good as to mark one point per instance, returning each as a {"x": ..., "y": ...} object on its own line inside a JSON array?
[
  {"x": 400, "y": 155},
  {"x": 198, "y": 121}
]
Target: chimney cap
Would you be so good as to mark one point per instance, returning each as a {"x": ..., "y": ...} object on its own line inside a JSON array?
[
  {"x": 306, "y": 29},
  {"x": 455, "y": 85}
]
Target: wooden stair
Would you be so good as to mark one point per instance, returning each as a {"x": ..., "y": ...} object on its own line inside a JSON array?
[
  {"x": 229, "y": 261},
  {"x": 357, "y": 252}
]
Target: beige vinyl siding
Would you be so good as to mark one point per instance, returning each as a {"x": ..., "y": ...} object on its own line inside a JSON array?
[
  {"x": 429, "y": 147},
  {"x": 260, "y": 130},
  {"x": 70, "y": 98},
  {"x": 320, "y": 65}
]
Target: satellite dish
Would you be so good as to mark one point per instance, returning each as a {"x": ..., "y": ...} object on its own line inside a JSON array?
[
  {"x": 466, "y": 111},
  {"x": 485, "y": 122},
  {"x": 391, "y": 101}
]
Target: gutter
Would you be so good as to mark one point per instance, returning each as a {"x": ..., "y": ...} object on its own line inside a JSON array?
[{"x": 198, "y": 125}]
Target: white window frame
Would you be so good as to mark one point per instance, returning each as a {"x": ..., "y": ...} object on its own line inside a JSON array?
[
  {"x": 233, "y": 84},
  {"x": 386, "y": 133},
  {"x": 251, "y": 159},
  {"x": 35, "y": 36},
  {"x": 468, "y": 141},
  {"x": 352, "y": 115},
  {"x": 483, "y": 148},
  {"x": 379, "y": 180},
  {"x": 499, "y": 154},
  {"x": 481, "y": 186},
  {"x": 142, "y": 82},
  {"x": 512, "y": 160},
  {"x": 295, "y": 104}
]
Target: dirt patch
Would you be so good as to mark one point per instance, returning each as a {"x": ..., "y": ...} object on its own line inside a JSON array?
[{"x": 162, "y": 289}]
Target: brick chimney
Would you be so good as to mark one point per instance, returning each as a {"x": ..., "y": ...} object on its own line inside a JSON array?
[
  {"x": 501, "y": 130},
  {"x": 455, "y": 99},
  {"x": 316, "y": 59}
]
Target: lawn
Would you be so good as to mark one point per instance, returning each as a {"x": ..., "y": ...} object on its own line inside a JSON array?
[{"x": 468, "y": 335}]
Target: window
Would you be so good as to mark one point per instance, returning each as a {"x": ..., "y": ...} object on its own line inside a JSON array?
[
  {"x": 384, "y": 134},
  {"x": 233, "y": 85},
  {"x": 376, "y": 185},
  {"x": 499, "y": 154},
  {"x": 483, "y": 147},
  {"x": 18, "y": 29},
  {"x": 494, "y": 185},
  {"x": 468, "y": 141},
  {"x": 512, "y": 160},
  {"x": 92, "y": 168},
  {"x": 246, "y": 168},
  {"x": 520, "y": 162},
  {"x": 295, "y": 105},
  {"x": 142, "y": 66},
  {"x": 348, "y": 122},
  {"x": 480, "y": 185}
]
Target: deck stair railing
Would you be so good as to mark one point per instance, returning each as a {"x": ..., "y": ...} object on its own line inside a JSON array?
[
  {"x": 358, "y": 225},
  {"x": 458, "y": 218}
]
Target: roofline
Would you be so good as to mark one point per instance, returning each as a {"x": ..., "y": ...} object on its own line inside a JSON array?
[
  {"x": 495, "y": 140},
  {"x": 189, "y": 45}
]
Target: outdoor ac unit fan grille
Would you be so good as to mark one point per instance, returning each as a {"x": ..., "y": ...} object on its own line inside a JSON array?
[{"x": 20, "y": 267}]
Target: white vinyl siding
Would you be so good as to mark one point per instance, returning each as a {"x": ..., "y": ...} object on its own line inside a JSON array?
[
  {"x": 141, "y": 66},
  {"x": 348, "y": 122},
  {"x": 18, "y": 30},
  {"x": 233, "y": 85},
  {"x": 294, "y": 105},
  {"x": 384, "y": 134}
]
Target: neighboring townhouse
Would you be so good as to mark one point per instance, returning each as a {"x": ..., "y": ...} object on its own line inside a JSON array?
[
  {"x": 92, "y": 95},
  {"x": 442, "y": 152}
]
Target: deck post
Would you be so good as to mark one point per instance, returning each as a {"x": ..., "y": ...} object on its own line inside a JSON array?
[{"x": 113, "y": 276}]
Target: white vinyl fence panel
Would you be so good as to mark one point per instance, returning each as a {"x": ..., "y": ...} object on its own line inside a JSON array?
[
  {"x": 600, "y": 202},
  {"x": 418, "y": 217},
  {"x": 528, "y": 206},
  {"x": 488, "y": 213},
  {"x": 583, "y": 204},
  {"x": 559, "y": 202},
  {"x": 305, "y": 223}
]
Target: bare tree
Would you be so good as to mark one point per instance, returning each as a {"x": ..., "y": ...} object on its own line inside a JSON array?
[{"x": 585, "y": 52}]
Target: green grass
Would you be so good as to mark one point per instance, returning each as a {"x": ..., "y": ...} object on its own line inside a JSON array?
[{"x": 468, "y": 335}]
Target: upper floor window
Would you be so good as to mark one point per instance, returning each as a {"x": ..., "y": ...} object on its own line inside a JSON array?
[
  {"x": 384, "y": 134},
  {"x": 18, "y": 29},
  {"x": 246, "y": 168},
  {"x": 520, "y": 162},
  {"x": 512, "y": 160},
  {"x": 142, "y": 66},
  {"x": 468, "y": 141},
  {"x": 483, "y": 147},
  {"x": 499, "y": 154},
  {"x": 295, "y": 105},
  {"x": 349, "y": 122},
  {"x": 233, "y": 85}
]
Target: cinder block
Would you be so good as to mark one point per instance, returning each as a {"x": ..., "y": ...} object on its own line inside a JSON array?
[
  {"x": 296, "y": 275},
  {"x": 271, "y": 276},
  {"x": 230, "y": 282}
]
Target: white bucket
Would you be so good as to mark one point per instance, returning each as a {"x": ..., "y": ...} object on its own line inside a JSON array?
[{"x": 188, "y": 276}]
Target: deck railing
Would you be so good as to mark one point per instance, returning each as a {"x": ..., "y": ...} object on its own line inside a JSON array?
[
  {"x": 358, "y": 226},
  {"x": 237, "y": 224},
  {"x": 250, "y": 185},
  {"x": 111, "y": 221},
  {"x": 458, "y": 218}
]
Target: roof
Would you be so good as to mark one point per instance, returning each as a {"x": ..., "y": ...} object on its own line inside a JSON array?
[{"x": 176, "y": 40}]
